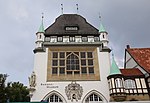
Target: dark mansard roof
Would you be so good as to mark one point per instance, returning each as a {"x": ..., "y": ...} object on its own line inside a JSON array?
[{"x": 71, "y": 24}]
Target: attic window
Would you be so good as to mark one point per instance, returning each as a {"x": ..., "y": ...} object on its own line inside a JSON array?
[{"x": 71, "y": 28}]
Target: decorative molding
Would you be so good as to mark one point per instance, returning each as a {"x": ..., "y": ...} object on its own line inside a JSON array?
[{"x": 74, "y": 91}]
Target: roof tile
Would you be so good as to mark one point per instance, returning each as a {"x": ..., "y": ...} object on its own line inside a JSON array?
[
  {"x": 131, "y": 72},
  {"x": 142, "y": 57}
]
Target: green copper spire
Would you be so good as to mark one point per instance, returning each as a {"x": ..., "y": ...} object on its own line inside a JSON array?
[
  {"x": 102, "y": 29},
  {"x": 41, "y": 29},
  {"x": 114, "y": 67}
]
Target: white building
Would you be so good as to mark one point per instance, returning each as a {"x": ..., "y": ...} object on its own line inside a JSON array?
[{"x": 71, "y": 63}]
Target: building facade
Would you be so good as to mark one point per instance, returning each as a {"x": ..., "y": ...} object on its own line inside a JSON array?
[
  {"x": 71, "y": 62},
  {"x": 72, "y": 65},
  {"x": 132, "y": 82}
]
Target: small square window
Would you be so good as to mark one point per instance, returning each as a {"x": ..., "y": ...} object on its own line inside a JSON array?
[
  {"x": 83, "y": 70},
  {"x": 89, "y": 54},
  {"x": 55, "y": 54},
  {"x": 54, "y": 70},
  {"x": 96, "y": 39},
  {"x": 55, "y": 62},
  {"x": 62, "y": 62},
  {"x": 83, "y": 55},
  {"x": 62, "y": 70},
  {"x": 91, "y": 70},
  {"x": 84, "y": 39},
  {"x": 47, "y": 39},
  {"x": 59, "y": 39},
  {"x": 90, "y": 62},
  {"x": 83, "y": 62},
  {"x": 62, "y": 54}
]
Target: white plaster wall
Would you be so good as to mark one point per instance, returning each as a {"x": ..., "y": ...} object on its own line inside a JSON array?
[
  {"x": 40, "y": 65},
  {"x": 104, "y": 65}
]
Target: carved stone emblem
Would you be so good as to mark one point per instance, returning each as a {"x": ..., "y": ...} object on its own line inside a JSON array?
[
  {"x": 32, "y": 80},
  {"x": 74, "y": 91}
]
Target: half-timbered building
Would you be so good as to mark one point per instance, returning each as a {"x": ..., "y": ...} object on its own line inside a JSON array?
[{"x": 131, "y": 83}]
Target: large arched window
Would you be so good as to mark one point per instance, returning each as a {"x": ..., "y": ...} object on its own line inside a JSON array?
[
  {"x": 54, "y": 98},
  {"x": 93, "y": 98},
  {"x": 72, "y": 62},
  {"x": 129, "y": 83}
]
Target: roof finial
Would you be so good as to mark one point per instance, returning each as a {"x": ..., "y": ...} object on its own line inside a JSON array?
[
  {"x": 41, "y": 29},
  {"x": 101, "y": 29},
  {"x": 42, "y": 15},
  {"x": 62, "y": 9},
  {"x": 112, "y": 52},
  {"x": 77, "y": 8},
  {"x": 99, "y": 16}
]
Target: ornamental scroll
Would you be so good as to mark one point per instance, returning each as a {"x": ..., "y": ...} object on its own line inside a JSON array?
[{"x": 74, "y": 91}]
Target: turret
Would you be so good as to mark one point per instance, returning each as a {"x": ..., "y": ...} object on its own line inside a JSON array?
[
  {"x": 40, "y": 35},
  {"x": 40, "y": 39},
  {"x": 116, "y": 83},
  {"x": 104, "y": 39},
  {"x": 103, "y": 36}
]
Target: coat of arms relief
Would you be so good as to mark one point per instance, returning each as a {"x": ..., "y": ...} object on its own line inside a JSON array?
[{"x": 74, "y": 91}]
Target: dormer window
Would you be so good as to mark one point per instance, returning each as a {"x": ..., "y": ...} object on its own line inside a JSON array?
[
  {"x": 96, "y": 38},
  {"x": 59, "y": 39},
  {"x": 72, "y": 39},
  {"x": 84, "y": 39},
  {"x": 71, "y": 28}
]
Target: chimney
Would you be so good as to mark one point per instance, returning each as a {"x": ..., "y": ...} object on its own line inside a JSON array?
[{"x": 128, "y": 46}]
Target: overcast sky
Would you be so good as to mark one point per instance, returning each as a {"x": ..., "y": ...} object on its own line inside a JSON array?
[{"x": 126, "y": 21}]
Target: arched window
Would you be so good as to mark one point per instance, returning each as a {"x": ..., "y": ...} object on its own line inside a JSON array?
[
  {"x": 103, "y": 36},
  {"x": 54, "y": 98},
  {"x": 72, "y": 62},
  {"x": 118, "y": 83},
  {"x": 93, "y": 98},
  {"x": 40, "y": 36},
  {"x": 129, "y": 83}
]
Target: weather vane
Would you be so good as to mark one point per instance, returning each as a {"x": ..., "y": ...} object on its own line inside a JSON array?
[
  {"x": 100, "y": 16},
  {"x": 61, "y": 8},
  {"x": 42, "y": 15},
  {"x": 77, "y": 8}
]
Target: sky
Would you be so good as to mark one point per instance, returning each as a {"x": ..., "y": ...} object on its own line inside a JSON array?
[{"x": 126, "y": 21}]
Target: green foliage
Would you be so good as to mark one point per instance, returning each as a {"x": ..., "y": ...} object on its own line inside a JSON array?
[
  {"x": 14, "y": 91},
  {"x": 3, "y": 87}
]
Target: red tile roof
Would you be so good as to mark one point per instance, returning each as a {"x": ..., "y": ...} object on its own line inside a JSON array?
[
  {"x": 131, "y": 72},
  {"x": 141, "y": 56}
]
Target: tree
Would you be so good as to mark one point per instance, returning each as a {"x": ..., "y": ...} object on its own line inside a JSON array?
[
  {"x": 17, "y": 92},
  {"x": 2, "y": 87},
  {"x": 14, "y": 91}
]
